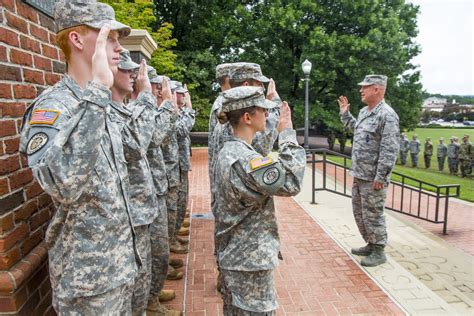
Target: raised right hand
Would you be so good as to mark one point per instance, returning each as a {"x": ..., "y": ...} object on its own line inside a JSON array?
[
  {"x": 166, "y": 90},
  {"x": 143, "y": 82},
  {"x": 101, "y": 72},
  {"x": 343, "y": 104},
  {"x": 285, "y": 117}
]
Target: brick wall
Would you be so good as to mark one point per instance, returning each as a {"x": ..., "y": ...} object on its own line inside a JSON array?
[{"x": 29, "y": 62}]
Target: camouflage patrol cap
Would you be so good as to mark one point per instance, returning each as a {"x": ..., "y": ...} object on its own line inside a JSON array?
[
  {"x": 369, "y": 80},
  {"x": 126, "y": 62},
  {"x": 239, "y": 71},
  {"x": 223, "y": 70},
  {"x": 151, "y": 72},
  {"x": 70, "y": 13},
  {"x": 158, "y": 79},
  {"x": 177, "y": 86},
  {"x": 245, "y": 97}
]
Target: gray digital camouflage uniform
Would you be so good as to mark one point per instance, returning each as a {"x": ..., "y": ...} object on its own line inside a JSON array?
[
  {"x": 374, "y": 152},
  {"x": 246, "y": 226},
  {"x": 427, "y": 153},
  {"x": 415, "y": 148},
  {"x": 441, "y": 153},
  {"x": 453, "y": 153},
  {"x": 75, "y": 152},
  {"x": 184, "y": 125},
  {"x": 465, "y": 155},
  {"x": 404, "y": 148}
]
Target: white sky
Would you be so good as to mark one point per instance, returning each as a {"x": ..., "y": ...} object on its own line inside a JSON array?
[{"x": 446, "y": 37}]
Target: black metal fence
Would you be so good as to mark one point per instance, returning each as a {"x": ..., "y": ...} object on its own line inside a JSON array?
[{"x": 406, "y": 195}]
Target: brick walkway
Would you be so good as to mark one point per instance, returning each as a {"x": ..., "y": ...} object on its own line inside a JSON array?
[{"x": 316, "y": 277}]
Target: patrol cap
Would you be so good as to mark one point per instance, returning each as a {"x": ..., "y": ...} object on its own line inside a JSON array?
[
  {"x": 427, "y": 138},
  {"x": 70, "y": 13},
  {"x": 374, "y": 79},
  {"x": 178, "y": 87},
  {"x": 126, "y": 62},
  {"x": 441, "y": 138},
  {"x": 245, "y": 97},
  {"x": 223, "y": 70},
  {"x": 158, "y": 79},
  {"x": 466, "y": 135},
  {"x": 245, "y": 70},
  {"x": 151, "y": 72}
]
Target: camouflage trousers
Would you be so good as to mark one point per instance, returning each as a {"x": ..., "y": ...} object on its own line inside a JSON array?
[
  {"x": 114, "y": 302},
  {"x": 453, "y": 165},
  {"x": 248, "y": 293},
  {"x": 427, "y": 159},
  {"x": 183, "y": 196},
  {"x": 465, "y": 166},
  {"x": 368, "y": 208},
  {"x": 172, "y": 208},
  {"x": 441, "y": 161},
  {"x": 414, "y": 160},
  {"x": 160, "y": 250},
  {"x": 403, "y": 158},
  {"x": 141, "y": 289}
]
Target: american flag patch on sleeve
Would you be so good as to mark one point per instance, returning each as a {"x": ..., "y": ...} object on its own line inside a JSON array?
[
  {"x": 260, "y": 162},
  {"x": 47, "y": 117}
]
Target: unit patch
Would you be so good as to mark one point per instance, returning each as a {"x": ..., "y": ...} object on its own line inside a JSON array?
[
  {"x": 271, "y": 175},
  {"x": 47, "y": 117},
  {"x": 260, "y": 162},
  {"x": 36, "y": 143}
]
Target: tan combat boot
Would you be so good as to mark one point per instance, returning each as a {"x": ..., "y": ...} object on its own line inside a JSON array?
[
  {"x": 176, "y": 247},
  {"x": 182, "y": 241},
  {"x": 186, "y": 223},
  {"x": 166, "y": 295},
  {"x": 173, "y": 274},
  {"x": 154, "y": 308},
  {"x": 175, "y": 263},
  {"x": 184, "y": 231}
]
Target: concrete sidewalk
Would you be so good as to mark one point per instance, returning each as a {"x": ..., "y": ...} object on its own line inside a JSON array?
[{"x": 318, "y": 276}]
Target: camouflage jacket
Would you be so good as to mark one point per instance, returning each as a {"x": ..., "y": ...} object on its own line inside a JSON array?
[
  {"x": 375, "y": 144},
  {"x": 184, "y": 125},
  {"x": 415, "y": 146},
  {"x": 246, "y": 226},
  {"x": 164, "y": 120},
  {"x": 441, "y": 150},
  {"x": 142, "y": 194},
  {"x": 170, "y": 150},
  {"x": 465, "y": 151},
  {"x": 76, "y": 155},
  {"x": 428, "y": 149},
  {"x": 404, "y": 145},
  {"x": 453, "y": 150}
]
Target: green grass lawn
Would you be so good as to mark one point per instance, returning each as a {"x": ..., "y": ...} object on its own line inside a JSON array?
[{"x": 430, "y": 176}]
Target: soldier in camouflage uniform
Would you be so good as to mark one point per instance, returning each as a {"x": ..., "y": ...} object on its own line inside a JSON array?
[
  {"x": 465, "y": 156},
  {"x": 247, "y": 231},
  {"x": 184, "y": 124},
  {"x": 441, "y": 153},
  {"x": 76, "y": 154},
  {"x": 428, "y": 152},
  {"x": 453, "y": 152},
  {"x": 374, "y": 153},
  {"x": 404, "y": 148},
  {"x": 164, "y": 118},
  {"x": 414, "y": 151}
]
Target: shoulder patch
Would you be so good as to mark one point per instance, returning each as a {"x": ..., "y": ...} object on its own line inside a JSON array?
[
  {"x": 260, "y": 162},
  {"x": 46, "y": 117},
  {"x": 271, "y": 175},
  {"x": 36, "y": 143}
]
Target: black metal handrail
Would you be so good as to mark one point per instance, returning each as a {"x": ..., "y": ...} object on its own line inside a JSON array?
[{"x": 418, "y": 192}]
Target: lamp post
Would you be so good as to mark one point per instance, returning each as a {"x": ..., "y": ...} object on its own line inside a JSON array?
[{"x": 306, "y": 66}]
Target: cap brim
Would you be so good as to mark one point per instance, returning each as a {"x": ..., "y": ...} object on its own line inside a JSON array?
[
  {"x": 262, "y": 78},
  {"x": 267, "y": 104},
  {"x": 181, "y": 90},
  {"x": 129, "y": 65},
  {"x": 122, "y": 29},
  {"x": 156, "y": 80},
  {"x": 364, "y": 83}
]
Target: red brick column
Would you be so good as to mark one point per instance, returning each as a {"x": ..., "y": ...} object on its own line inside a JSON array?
[{"x": 29, "y": 62}]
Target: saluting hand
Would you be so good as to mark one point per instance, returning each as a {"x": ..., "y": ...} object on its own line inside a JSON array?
[
  {"x": 101, "y": 72},
  {"x": 272, "y": 93},
  {"x": 166, "y": 90},
  {"x": 187, "y": 99},
  {"x": 285, "y": 117},
  {"x": 143, "y": 82},
  {"x": 343, "y": 104}
]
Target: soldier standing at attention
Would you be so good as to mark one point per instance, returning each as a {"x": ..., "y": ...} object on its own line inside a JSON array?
[
  {"x": 453, "y": 151},
  {"x": 77, "y": 157},
  {"x": 428, "y": 152},
  {"x": 441, "y": 153},
  {"x": 331, "y": 140},
  {"x": 414, "y": 151},
  {"x": 247, "y": 230},
  {"x": 374, "y": 153},
  {"x": 404, "y": 148},
  {"x": 465, "y": 156}
]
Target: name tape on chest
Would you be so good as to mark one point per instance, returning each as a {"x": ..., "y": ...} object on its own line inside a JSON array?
[
  {"x": 36, "y": 143},
  {"x": 260, "y": 162},
  {"x": 45, "y": 117}
]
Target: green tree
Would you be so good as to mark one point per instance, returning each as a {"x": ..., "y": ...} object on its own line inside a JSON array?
[{"x": 139, "y": 14}]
